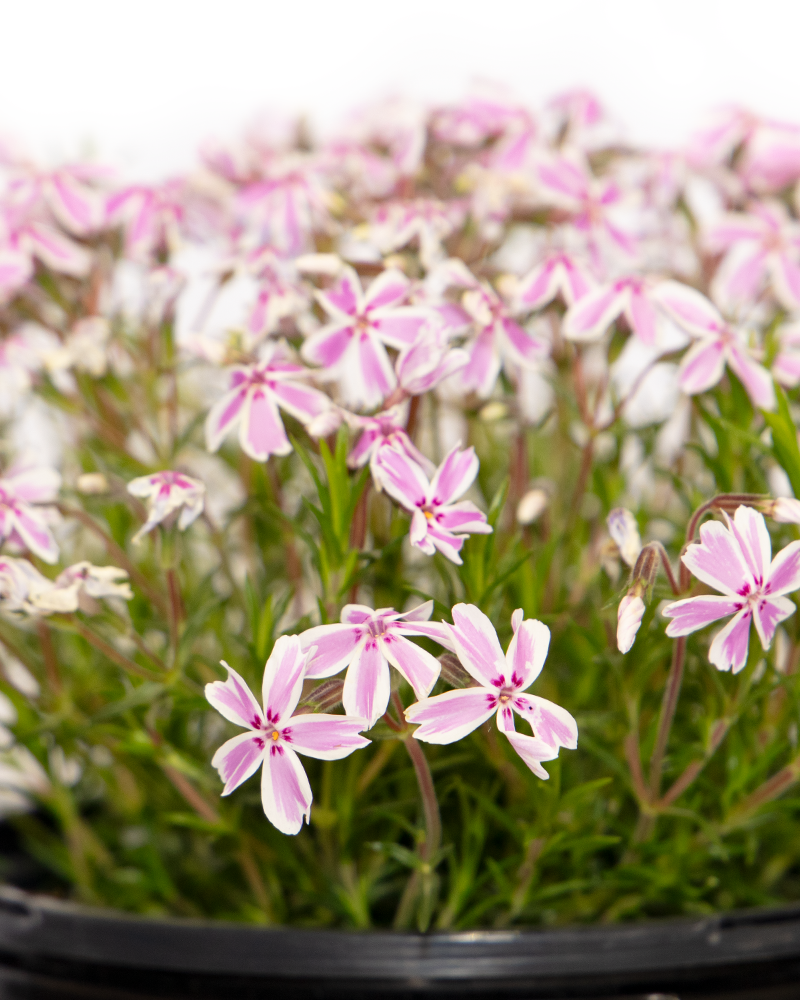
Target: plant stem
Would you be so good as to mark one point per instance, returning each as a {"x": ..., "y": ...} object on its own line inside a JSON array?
[
  {"x": 693, "y": 770},
  {"x": 668, "y": 706},
  {"x": 769, "y": 790},
  {"x": 114, "y": 655},
  {"x": 190, "y": 794},
  {"x": 49, "y": 656},
  {"x": 430, "y": 805},
  {"x": 175, "y": 614}
]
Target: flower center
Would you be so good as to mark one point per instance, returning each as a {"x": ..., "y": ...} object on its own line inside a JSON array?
[
  {"x": 377, "y": 628},
  {"x": 276, "y": 735}
]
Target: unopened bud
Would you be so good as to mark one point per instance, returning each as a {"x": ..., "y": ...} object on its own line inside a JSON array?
[
  {"x": 92, "y": 483},
  {"x": 645, "y": 569},
  {"x": 325, "y": 696},
  {"x": 623, "y": 529},
  {"x": 531, "y": 506},
  {"x": 452, "y": 671},
  {"x": 786, "y": 510}
]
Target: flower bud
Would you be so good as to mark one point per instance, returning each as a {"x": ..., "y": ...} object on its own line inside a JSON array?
[
  {"x": 92, "y": 483},
  {"x": 623, "y": 529},
  {"x": 531, "y": 506},
  {"x": 629, "y": 618},
  {"x": 785, "y": 510}
]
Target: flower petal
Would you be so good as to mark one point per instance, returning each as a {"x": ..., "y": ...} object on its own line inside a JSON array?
[
  {"x": 532, "y": 750},
  {"x": 718, "y": 561},
  {"x": 527, "y": 652},
  {"x": 301, "y": 401},
  {"x": 448, "y": 717},
  {"x": 750, "y": 531},
  {"x": 367, "y": 685},
  {"x": 768, "y": 614},
  {"x": 629, "y": 618},
  {"x": 336, "y": 645},
  {"x": 550, "y": 722},
  {"x": 728, "y": 651},
  {"x": 753, "y": 376},
  {"x": 234, "y": 700},
  {"x": 261, "y": 432},
  {"x": 37, "y": 484},
  {"x": 416, "y": 664},
  {"x": 389, "y": 288},
  {"x": 285, "y": 791},
  {"x": 222, "y": 417},
  {"x": 702, "y": 366},
  {"x": 689, "y": 308},
  {"x": 327, "y": 346},
  {"x": 784, "y": 573},
  {"x": 696, "y": 612},
  {"x": 590, "y": 316},
  {"x": 477, "y": 646},
  {"x": 402, "y": 479},
  {"x": 454, "y": 476},
  {"x": 283, "y": 678},
  {"x": 326, "y": 737},
  {"x": 35, "y": 534},
  {"x": 400, "y": 327},
  {"x": 239, "y": 758}
]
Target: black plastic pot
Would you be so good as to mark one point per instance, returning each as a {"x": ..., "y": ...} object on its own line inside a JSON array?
[{"x": 50, "y": 949}]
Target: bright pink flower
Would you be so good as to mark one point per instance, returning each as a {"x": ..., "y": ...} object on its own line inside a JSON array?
[
  {"x": 501, "y": 683},
  {"x": 631, "y": 297},
  {"x": 167, "y": 492},
  {"x": 499, "y": 341},
  {"x": 718, "y": 343},
  {"x": 352, "y": 343},
  {"x": 366, "y": 643},
  {"x": 737, "y": 561},
  {"x": 252, "y": 401},
  {"x": 386, "y": 429},
  {"x": 21, "y": 523},
  {"x": 437, "y": 522},
  {"x": 274, "y": 736},
  {"x": 559, "y": 273},
  {"x": 761, "y": 245}
]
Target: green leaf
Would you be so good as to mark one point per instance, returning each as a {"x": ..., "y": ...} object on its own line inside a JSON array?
[{"x": 784, "y": 439}]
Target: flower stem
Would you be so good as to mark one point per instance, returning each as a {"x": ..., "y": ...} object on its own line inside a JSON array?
[
  {"x": 668, "y": 706},
  {"x": 430, "y": 805},
  {"x": 113, "y": 654}
]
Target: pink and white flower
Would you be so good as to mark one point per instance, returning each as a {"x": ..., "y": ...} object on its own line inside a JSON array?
[
  {"x": 152, "y": 217},
  {"x": 737, "y": 561},
  {"x": 397, "y": 223},
  {"x": 631, "y": 297},
  {"x": 761, "y": 245},
  {"x": 252, "y": 401},
  {"x": 23, "y": 516},
  {"x": 275, "y": 736},
  {"x": 429, "y": 360},
  {"x": 386, "y": 429},
  {"x": 367, "y": 642},
  {"x": 352, "y": 344},
  {"x": 21, "y": 584},
  {"x": 786, "y": 366},
  {"x": 560, "y": 273},
  {"x": 501, "y": 683},
  {"x": 437, "y": 522},
  {"x": 717, "y": 343},
  {"x": 166, "y": 493},
  {"x": 81, "y": 586}
]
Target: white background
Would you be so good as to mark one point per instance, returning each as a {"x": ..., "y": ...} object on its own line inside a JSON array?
[{"x": 142, "y": 82}]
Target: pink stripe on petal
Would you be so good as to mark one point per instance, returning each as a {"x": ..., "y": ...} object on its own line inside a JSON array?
[
  {"x": 402, "y": 479},
  {"x": 463, "y": 516},
  {"x": 702, "y": 366},
  {"x": 689, "y": 308},
  {"x": 327, "y": 346},
  {"x": 302, "y": 402},
  {"x": 449, "y": 545},
  {"x": 234, "y": 700},
  {"x": 533, "y": 751},
  {"x": 477, "y": 646},
  {"x": 451, "y": 716},
  {"x": 575, "y": 283},
  {"x": 326, "y": 737},
  {"x": 743, "y": 273},
  {"x": 401, "y": 327},
  {"x": 527, "y": 652},
  {"x": 590, "y": 317},
  {"x": 454, "y": 476},
  {"x": 728, "y": 651},
  {"x": 527, "y": 347},
  {"x": 388, "y": 289},
  {"x": 261, "y": 432},
  {"x": 283, "y": 678},
  {"x": 786, "y": 278},
  {"x": 367, "y": 685},
  {"x": 336, "y": 647},
  {"x": 784, "y": 573},
  {"x": 750, "y": 531},
  {"x": 285, "y": 791},
  {"x": 694, "y": 613},
  {"x": 551, "y": 723},
  {"x": 35, "y": 485},
  {"x": 718, "y": 561},
  {"x": 419, "y": 668},
  {"x": 35, "y": 535},
  {"x": 768, "y": 613},
  {"x": 238, "y": 759},
  {"x": 376, "y": 370},
  {"x": 344, "y": 295},
  {"x": 540, "y": 286},
  {"x": 642, "y": 316},
  {"x": 484, "y": 364},
  {"x": 223, "y": 416},
  {"x": 753, "y": 376}
]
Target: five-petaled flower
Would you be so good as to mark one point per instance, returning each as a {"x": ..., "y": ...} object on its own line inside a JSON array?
[
  {"x": 22, "y": 523},
  {"x": 437, "y": 522},
  {"x": 737, "y": 561},
  {"x": 274, "y": 736},
  {"x": 367, "y": 642},
  {"x": 252, "y": 401},
  {"x": 352, "y": 344},
  {"x": 502, "y": 681},
  {"x": 167, "y": 492}
]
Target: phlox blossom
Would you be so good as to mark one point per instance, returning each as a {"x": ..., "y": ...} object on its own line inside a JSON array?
[
  {"x": 167, "y": 492},
  {"x": 437, "y": 522},
  {"x": 631, "y": 297},
  {"x": 386, "y": 429},
  {"x": 275, "y": 736},
  {"x": 80, "y": 586},
  {"x": 502, "y": 681},
  {"x": 737, "y": 561},
  {"x": 717, "y": 343},
  {"x": 366, "y": 642},
  {"x": 252, "y": 401},
  {"x": 23, "y": 521},
  {"x": 560, "y": 273},
  {"x": 351, "y": 345}
]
